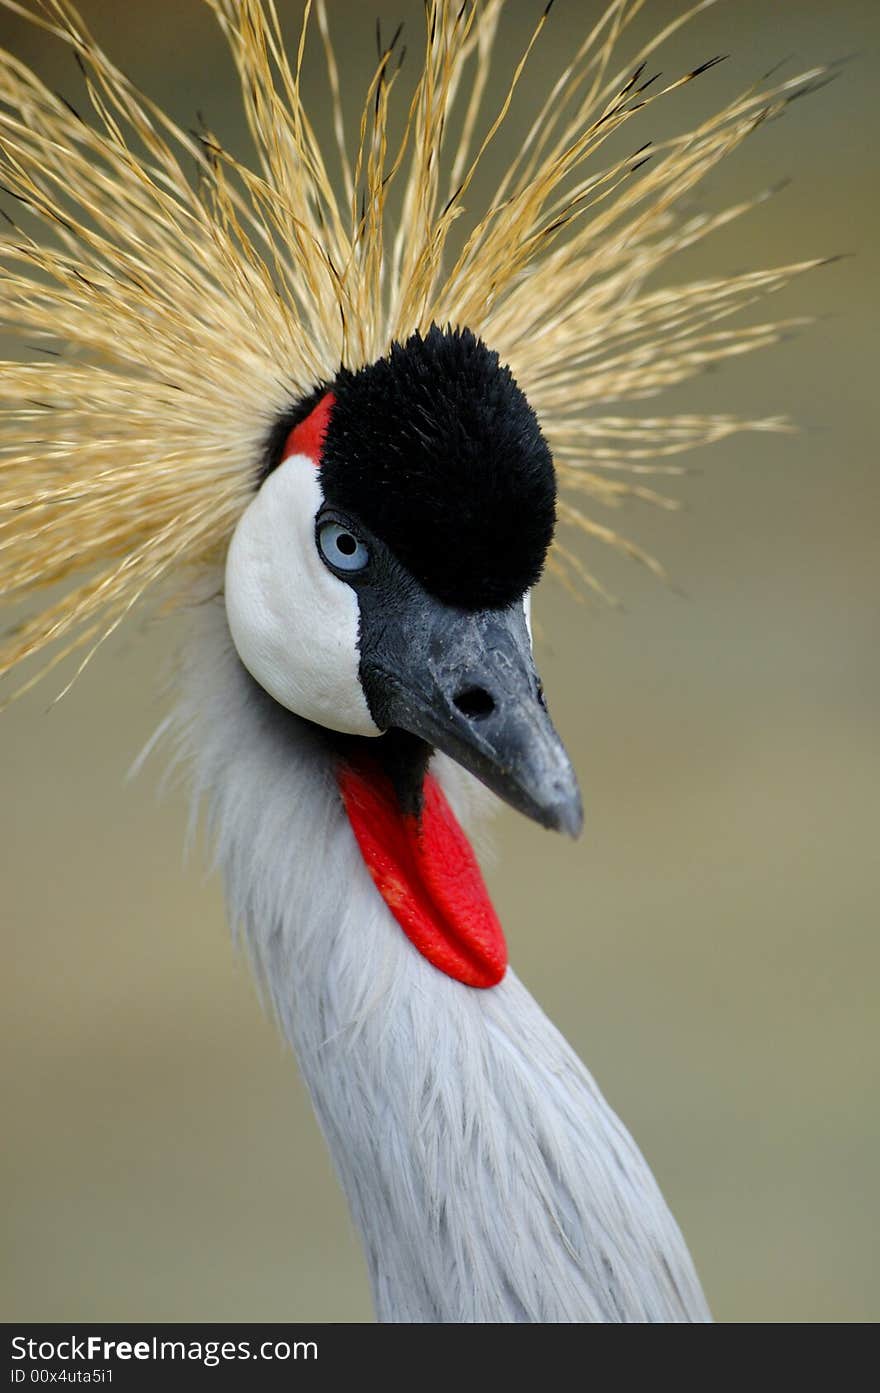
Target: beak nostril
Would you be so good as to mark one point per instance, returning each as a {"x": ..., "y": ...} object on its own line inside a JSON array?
[{"x": 475, "y": 703}]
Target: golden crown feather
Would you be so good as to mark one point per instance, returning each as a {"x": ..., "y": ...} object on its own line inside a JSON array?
[{"x": 184, "y": 300}]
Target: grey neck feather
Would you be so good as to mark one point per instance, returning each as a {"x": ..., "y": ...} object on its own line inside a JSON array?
[{"x": 487, "y": 1176}]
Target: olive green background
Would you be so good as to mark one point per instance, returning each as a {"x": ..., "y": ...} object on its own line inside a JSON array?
[{"x": 710, "y": 946}]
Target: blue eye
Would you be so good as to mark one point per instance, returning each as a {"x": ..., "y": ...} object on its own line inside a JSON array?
[{"x": 341, "y": 548}]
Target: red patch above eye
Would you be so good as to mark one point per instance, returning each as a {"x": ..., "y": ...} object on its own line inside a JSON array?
[{"x": 308, "y": 437}]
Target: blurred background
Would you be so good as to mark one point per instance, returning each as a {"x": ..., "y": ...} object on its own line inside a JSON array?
[{"x": 710, "y": 947}]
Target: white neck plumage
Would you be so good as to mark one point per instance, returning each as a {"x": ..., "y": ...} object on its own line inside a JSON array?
[{"x": 486, "y": 1175}]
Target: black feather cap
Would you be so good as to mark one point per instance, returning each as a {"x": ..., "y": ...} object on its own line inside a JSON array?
[{"x": 437, "y": 451}]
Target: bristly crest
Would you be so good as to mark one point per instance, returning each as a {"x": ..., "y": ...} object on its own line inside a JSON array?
[{"x": 192, "y": 310}]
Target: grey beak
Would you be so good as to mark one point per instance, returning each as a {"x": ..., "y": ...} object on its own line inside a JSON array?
[{"x": 466, "y": 683}]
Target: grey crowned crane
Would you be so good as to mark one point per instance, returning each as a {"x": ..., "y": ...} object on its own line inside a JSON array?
[{"x": 290, "y": 395}]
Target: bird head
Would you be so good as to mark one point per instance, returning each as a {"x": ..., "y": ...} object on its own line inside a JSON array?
[{"x": 379, "y": 580}]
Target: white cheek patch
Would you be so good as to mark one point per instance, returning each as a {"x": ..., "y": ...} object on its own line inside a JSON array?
[
  {"x": 293, "y": 623},
  {"x": 527, "y": 611}
]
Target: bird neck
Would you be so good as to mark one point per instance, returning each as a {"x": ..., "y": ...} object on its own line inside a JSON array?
[{"x": 488, "y": 1178}]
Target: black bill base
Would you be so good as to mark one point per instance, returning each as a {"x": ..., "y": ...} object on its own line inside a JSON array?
[{"x": 466, "y": 683}]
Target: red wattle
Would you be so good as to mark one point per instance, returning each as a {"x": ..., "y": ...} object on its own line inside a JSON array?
[
  {"x": 427, "y": 874},
  {"x": 308, "y": 437}
]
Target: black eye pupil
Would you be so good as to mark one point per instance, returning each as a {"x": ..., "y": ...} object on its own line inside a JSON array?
[{"x": 346, "y": 544}]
